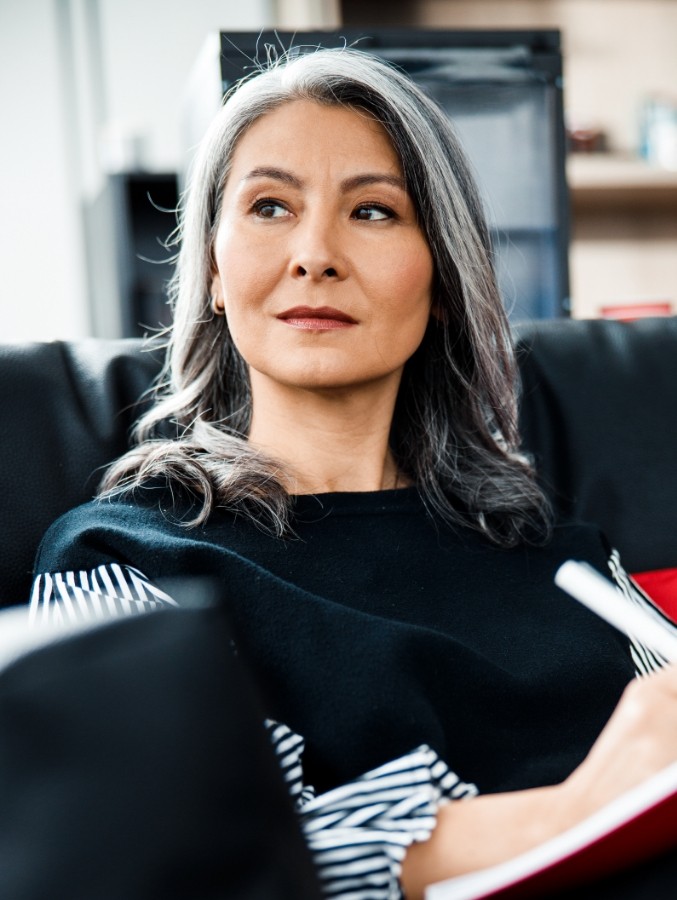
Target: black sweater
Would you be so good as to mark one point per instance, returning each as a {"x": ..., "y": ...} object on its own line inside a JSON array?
[{"x": 378, "y": 628}]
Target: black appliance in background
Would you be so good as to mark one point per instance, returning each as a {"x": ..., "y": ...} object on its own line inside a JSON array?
[
  {"x": 127, "y": 226},
  {"x": 503, "y": 92}
]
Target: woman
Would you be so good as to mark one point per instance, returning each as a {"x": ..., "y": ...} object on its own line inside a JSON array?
[{"x": 335, "y": 440}]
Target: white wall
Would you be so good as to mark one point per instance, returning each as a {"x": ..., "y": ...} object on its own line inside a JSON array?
[
  {"x": 60, "y": 85},
  {"x": 41, "y": 266},
  {"x": 149, "y": 49}
]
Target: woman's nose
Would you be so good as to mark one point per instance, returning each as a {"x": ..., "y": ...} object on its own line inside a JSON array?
[
  {"x": 314, "y": 271},
  {"x": 315, "y": 253}
]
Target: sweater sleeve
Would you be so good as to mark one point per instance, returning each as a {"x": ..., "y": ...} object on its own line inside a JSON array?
[{"x": 101, "y": 533}]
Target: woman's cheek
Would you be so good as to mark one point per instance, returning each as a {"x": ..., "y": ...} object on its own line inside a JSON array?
[{"x": 410, "y": 272}]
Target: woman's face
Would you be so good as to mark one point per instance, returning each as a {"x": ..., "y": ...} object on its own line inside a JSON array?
[{"x": 323, "y": 272}]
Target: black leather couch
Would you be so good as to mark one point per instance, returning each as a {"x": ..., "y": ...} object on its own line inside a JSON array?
[
  {"x": 132, "y": 761},
  {"x": 599, "y": 413}
]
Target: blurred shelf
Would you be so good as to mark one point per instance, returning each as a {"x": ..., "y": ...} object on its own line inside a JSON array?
[
  {"x": 605, "y": 180},
  {"x": 128, "y": 263}
]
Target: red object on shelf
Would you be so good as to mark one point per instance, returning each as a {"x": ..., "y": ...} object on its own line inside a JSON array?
[{"x": 628, "y": 312}]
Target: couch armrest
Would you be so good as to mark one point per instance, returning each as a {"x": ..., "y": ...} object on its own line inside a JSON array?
[{"x": 66, "y": 409}]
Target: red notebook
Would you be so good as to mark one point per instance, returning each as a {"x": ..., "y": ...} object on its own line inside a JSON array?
[
  {"x": 661, "y": 586},
  {"x": 636, "y": 826}
]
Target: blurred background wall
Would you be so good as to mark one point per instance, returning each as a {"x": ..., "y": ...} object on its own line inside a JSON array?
[{"x": 91, "y": 86}]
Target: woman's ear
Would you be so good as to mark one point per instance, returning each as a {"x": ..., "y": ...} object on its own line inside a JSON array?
[{"x": 218, "y": 301}]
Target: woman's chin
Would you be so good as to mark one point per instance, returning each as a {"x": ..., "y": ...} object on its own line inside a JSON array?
[{"x": 326, "y": 381}]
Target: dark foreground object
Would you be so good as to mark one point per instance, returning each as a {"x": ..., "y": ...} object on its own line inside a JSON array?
[{"x": 134, "y": 764}]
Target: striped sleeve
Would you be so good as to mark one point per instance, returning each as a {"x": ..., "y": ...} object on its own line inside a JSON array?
[
  {"x": 645, "y": 659},
  {"x": 358, "y": 833},
  {"x": 73, "y": 598}
]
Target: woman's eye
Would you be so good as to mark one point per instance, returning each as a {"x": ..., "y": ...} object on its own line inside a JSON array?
[
  {"x": 270, "y": 209},
  {"x": 370, "y": 212}
]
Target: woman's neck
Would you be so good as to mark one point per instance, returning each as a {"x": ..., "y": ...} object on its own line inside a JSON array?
[{"x": 327, "y": 440}]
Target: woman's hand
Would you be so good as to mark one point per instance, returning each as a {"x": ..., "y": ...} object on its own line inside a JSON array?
[{"x": 638, "y": 741}]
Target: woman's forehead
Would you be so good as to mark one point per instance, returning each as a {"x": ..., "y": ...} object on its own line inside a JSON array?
[{"x": 306, "y": 132}]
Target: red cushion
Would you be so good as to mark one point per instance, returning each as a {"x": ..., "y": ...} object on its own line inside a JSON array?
[{"x": 661, "y": 586}]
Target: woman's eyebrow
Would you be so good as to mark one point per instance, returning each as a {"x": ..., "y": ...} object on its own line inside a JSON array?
[
  {"x": 358, "y": 181},
  {"x": 275, "y": 173},
  {"x": 354, "y": 181}
]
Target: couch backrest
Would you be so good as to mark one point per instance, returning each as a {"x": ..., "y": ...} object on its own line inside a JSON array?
[{"x": 599, "y": 413}]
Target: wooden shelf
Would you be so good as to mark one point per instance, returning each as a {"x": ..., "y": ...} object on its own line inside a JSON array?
[{"x": 604, "y": 180}]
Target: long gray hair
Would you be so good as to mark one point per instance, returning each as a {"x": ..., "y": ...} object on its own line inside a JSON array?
[{"x": 454, "y": 430}]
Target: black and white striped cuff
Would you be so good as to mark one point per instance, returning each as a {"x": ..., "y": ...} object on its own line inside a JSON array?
[
  {"x": 646, "y": 659},
  {"x": 359, "y": 833}
]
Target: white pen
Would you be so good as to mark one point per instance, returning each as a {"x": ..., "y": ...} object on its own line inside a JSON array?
[{"x": 598, "y": 594}]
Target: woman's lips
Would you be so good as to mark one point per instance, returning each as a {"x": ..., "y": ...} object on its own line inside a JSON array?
[{"x": 322, "y": 318}]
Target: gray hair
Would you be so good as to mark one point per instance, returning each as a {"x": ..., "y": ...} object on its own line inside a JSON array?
[{"x": 454, "y": 430}]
